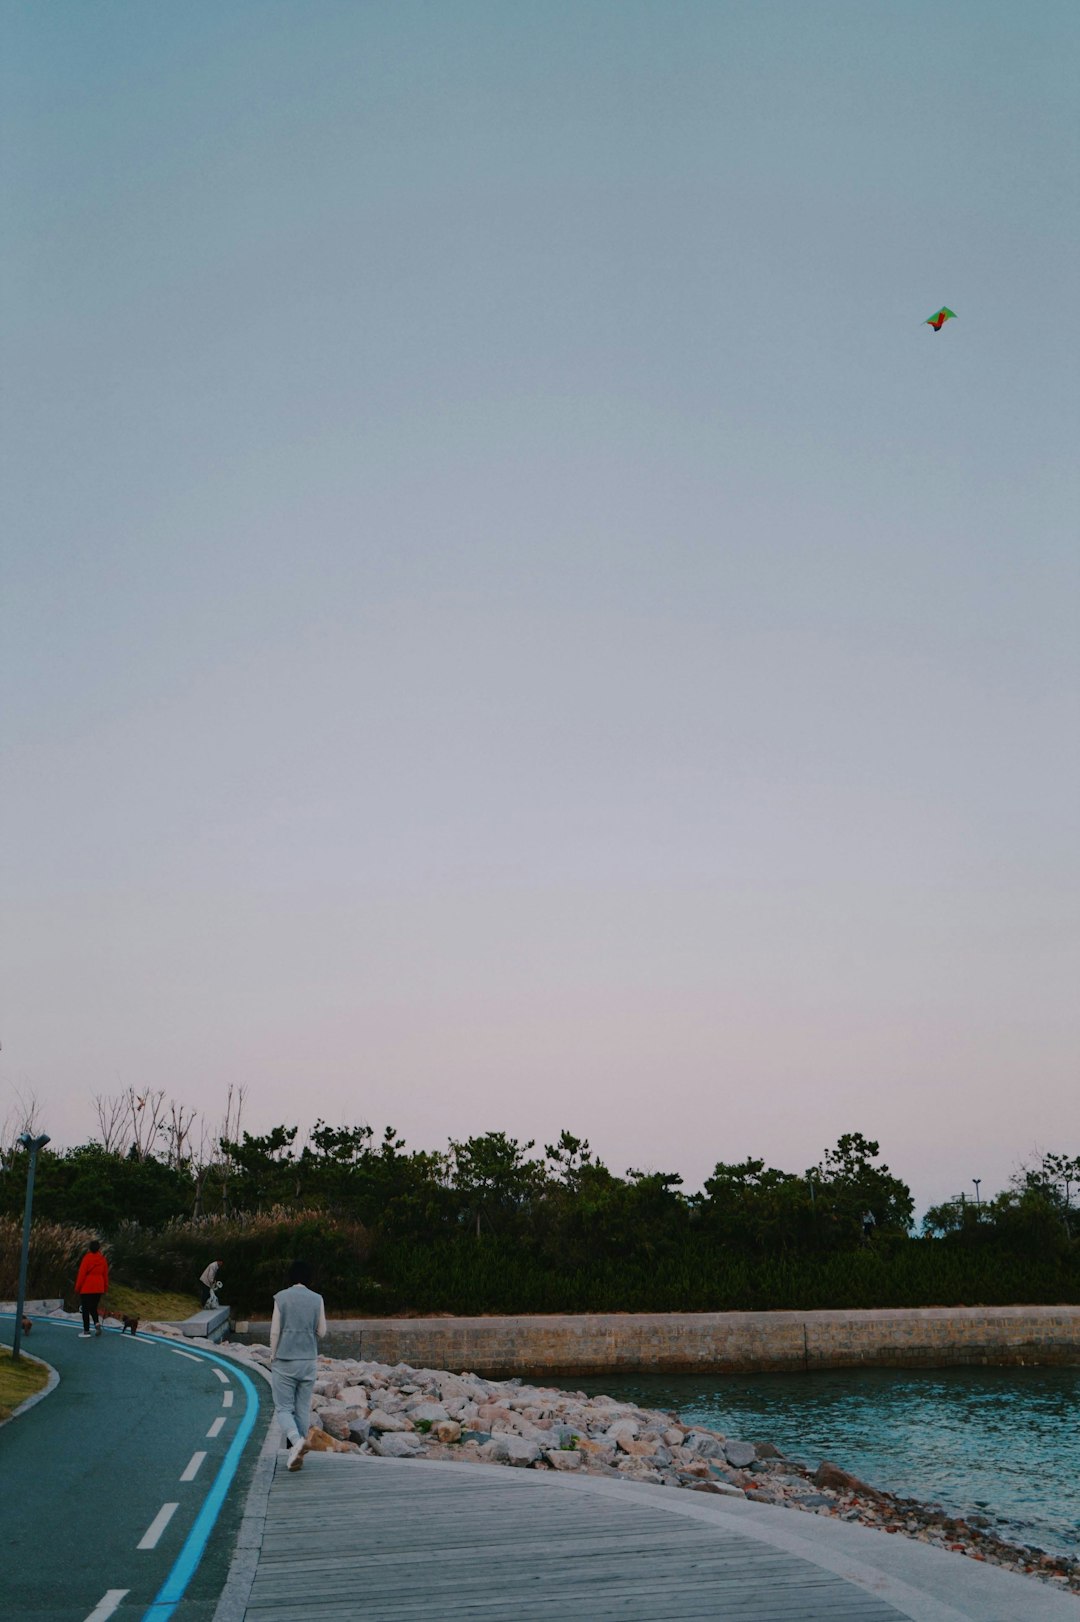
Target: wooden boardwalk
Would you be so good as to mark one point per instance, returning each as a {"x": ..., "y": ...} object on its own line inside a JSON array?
[{"x": 391, "y": 1540}]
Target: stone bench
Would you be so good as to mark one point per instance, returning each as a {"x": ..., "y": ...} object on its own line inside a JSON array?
[{"x": 212, "y": 1323}]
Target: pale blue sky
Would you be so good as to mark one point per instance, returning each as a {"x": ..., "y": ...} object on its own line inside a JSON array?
[{"x": 508, "y": 618}]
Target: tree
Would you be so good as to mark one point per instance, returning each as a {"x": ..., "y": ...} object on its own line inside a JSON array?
[
  {"x": 569, "y": 1157},
  {"x": 493, "y": 1179},
  {"x": 848, "y": 1184},
  {"x": 757, "y": 1208},
  {"x": 1053, "y": 1180},
  {"x": 147, "y": 1111},
  {"x": 947, "y": 1218},
  {"x": 263, "y": 1169},
  {"x": 112, "y": 1112}
]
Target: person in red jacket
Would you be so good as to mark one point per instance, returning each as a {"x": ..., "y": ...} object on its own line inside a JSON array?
[{"x": 91, "y": 1283}]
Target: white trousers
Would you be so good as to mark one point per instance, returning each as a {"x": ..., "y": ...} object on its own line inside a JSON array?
[{"x": 292, "y": 1382}]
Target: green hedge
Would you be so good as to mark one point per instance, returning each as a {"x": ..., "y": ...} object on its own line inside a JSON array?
[
  {"x": 488, "y": 1276},
  {"x": 467, "y": 1275},
  {"x": 254, "y": 1251}
]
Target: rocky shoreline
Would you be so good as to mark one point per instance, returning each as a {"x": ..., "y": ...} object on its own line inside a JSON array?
[{"x": 405, "y": 1412}]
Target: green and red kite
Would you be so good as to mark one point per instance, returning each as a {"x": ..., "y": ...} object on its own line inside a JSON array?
[{"x": 938, "y": 321}]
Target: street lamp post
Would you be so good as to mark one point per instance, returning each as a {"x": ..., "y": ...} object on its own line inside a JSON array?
[
  {"x": 31, "y": 1145},
  {"x": 978, "y": 1202}
]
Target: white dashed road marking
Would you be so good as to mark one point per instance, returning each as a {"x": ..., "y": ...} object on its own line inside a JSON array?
[
  {"x": 190, "y": 1355},
  {"x": 105, "y": 1607},
  {"x": 226, "y": 1397},
  {"x": 217, "y": 1427},
  {"x": 222, "y": 1376},
  {"x": 193, "y": 1468},
  {"x": 152, "y": 1536}
]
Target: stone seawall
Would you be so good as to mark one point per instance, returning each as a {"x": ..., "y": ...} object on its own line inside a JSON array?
[{"x": 711, "y": 1342}]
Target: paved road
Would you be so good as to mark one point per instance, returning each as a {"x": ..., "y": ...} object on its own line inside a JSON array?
[{"x": 87, "y": 1477}]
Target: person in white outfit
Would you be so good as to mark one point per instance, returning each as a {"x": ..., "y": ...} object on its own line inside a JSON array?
[{"x": 298, "y": 1324}]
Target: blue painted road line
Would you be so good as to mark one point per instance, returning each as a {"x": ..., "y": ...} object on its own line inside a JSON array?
[
  {"x": 186, "y": 1563},
  {"x": 172, "y": 1589}
]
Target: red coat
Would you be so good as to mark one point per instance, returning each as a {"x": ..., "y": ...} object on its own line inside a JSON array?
[{"x": 93, "y": 1275}]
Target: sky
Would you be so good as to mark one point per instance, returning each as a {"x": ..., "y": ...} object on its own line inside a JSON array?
[{"x": 510, "y": 620}]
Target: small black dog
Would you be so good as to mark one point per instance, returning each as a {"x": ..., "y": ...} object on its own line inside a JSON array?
[{"x": 130, "y": 1323}]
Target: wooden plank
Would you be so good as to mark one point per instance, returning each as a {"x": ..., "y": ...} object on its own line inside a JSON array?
[{"x": 388, "y": 1541}]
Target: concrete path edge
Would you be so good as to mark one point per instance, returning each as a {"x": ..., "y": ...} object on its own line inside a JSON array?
[
  {"x": 39, "y": 1396},
  {"x": 233, "y": 1601}
]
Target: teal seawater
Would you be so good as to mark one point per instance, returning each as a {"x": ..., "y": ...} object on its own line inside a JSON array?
[{"x": 999, "y": 1442}]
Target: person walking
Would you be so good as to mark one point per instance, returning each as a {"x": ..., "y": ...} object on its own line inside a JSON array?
[
  {"x": 91, "y": 1283},
  {"x": 298, "y": 1324}
]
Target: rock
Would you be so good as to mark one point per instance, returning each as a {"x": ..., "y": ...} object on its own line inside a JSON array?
[
  {"x": 446, "y": 1430},
  {"x": 359, "y": 1429},
  {"x": 397, "y": 1445},
  {"x": 336, "y": 1424},
  {"x": 740, "y": 1454},
  {"x": 534, "y": 1433},
  {"x": 491, "y": 1413},
  {"x": 563, "y": 1458},
  {"x": 597, "y": 1451},
  {"x": 674, "y": 1437},
  {"x": 766, "y": 1450},
  {"x": 834, "y": 1479},
  {"x": 431, "y": 1413},
  {"x": 639, "y": 1470},
  {"x": 629, "y": 1444},
  {"x": 705, "y": 1446},
  {"x": 382, "y": 1421},
  {"x": 622, "y": 1430},
  {"x": 354, "y": 1396},
  {"x": 513, "y": 1450}
]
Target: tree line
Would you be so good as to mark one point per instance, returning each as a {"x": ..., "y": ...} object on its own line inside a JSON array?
[{"x": 563, "y": 1206}]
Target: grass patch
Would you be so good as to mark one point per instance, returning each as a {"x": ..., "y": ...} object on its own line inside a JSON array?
[
  {"x": 18, "y": 1381},
  {"x": 162, "y": 1306}
]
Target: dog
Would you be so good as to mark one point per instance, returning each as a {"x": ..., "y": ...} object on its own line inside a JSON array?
[
  {"x": 27, "y": 1325},
  {"x": 130, "y": 1323},
  {"x": 320, "y": 1441}
]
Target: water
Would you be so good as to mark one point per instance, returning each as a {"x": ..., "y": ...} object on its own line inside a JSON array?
[{"x": 1004, "y": 1443}]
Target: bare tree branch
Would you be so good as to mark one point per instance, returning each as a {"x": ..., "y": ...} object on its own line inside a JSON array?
[
  {"x": 147, "y": 1123},
  {"x": 112, "y": 1109}
]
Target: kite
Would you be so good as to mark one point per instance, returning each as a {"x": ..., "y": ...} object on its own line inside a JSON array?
[{"x": 938, "y": 321}]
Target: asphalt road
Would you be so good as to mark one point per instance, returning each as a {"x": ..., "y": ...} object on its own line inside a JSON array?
[{"x": 88, "y": 1474}]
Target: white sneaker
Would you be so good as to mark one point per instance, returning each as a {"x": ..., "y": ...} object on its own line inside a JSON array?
[
  {"x": 296, "y": 1456},
  {"x": 84, "y": 1334}
]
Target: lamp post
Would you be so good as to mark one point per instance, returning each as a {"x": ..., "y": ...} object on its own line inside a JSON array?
[
  {"x": 978, "y": 1202},
  {"x": 31, "y": 1145}
]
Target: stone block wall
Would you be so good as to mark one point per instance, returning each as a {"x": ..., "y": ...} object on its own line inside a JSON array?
[{"x": 712, "y": 1342}]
